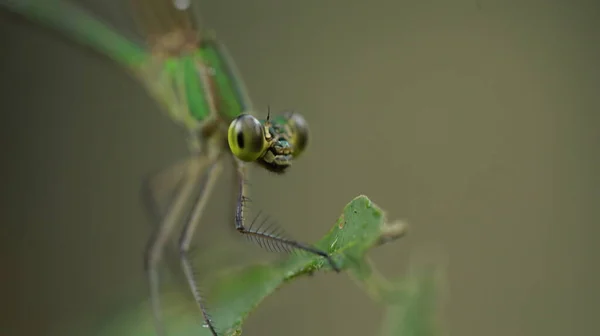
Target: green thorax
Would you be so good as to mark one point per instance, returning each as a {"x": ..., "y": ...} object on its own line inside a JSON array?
[{"x": 219, "y": 86}]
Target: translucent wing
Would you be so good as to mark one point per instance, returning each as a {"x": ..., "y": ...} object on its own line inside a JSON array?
[{"x": 172, "y": 27}]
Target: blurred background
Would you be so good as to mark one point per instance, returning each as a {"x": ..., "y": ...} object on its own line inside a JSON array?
[{"x": 475, "y": 121}]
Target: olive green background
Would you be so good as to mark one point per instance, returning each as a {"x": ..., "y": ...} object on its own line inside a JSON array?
[{"x": 476, "y": 121}]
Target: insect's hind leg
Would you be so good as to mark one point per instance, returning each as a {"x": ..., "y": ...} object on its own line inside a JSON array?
[
  {"x": 211, "y": 177},
  {"x": 267, "y": 238},
  {"x": 185, "y": 179}
]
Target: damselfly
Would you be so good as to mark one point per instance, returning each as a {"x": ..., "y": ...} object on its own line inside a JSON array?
[{"x": 192, "y": 76}]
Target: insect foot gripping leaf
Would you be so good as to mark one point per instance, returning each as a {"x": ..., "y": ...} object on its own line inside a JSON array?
[{"x": 236, "y": 293}]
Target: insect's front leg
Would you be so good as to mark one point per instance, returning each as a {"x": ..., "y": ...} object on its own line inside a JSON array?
[
  {"x": 266, "y": 237},
  {"x": 210, "y": 178},
  {"x": 183, "y": 182}
]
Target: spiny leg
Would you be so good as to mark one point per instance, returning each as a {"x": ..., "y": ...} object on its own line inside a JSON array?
[
  {"x": 186, "y": 186},
  {"x": 211, "y": 177},
  {"x": 266, "y": 235}
]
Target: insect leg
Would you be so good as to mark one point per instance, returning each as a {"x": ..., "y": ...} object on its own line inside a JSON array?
[
  {"x": 267, "y": 236},
  {"x": 211, "y": 177},
  {"x": 186, "y": 176}
]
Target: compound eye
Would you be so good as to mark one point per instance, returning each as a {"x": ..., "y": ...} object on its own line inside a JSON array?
[
  {"x": 246, "y": 137},
  {"x": 300, "y": 132}
]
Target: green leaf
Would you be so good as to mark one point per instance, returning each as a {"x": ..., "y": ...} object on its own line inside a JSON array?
[
  {"x": 235, "y": 294},
  {"x": 417, "y": 313}
]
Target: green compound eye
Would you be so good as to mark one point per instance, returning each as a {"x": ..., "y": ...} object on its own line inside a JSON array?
[
  {"x": 300, "y": 132},
  {"x": 246, "y": 137}
]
